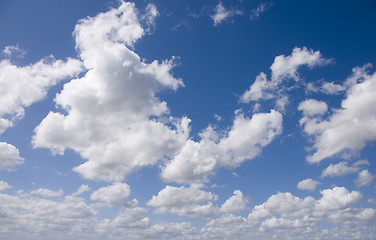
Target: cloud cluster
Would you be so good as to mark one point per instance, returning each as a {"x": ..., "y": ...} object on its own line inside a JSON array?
[
  {"x": 282, "y": 69},
  {"x": 194, "y": 202},
  {"x": 112, "y": 116},
  {"x": 245, "y": 140},
  {"x": 348, "y": 129}
]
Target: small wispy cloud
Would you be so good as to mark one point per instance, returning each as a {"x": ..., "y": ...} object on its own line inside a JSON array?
[
  {"x": 221, "y": 14},
  {"x": 260, "y": 9}
]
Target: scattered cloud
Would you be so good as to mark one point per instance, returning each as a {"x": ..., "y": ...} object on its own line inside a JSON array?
[
  {"x": 244, "y": 141},
  {"x": 349, "y": 128},
  {"x": 222, "y": 14},
  {"x": 83, "y": 188},
  {"x": 4, "y": 186},
  {"x": 339, "y": 169},
  {"x": 115, "y": 194},
  {"x": 236, "y": 203},
  {"x": 364, "y": 178},
  {"x": 262, "y": 7},
  {"x": 9, "y": 156},
  {"x": 308, "y": 184},
  {"x": 283, "y": 68}
]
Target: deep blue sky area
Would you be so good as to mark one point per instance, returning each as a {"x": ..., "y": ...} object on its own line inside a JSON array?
[{"x": 281, "y": 102}]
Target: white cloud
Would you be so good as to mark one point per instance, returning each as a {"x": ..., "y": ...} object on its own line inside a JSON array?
[
  {"x": 339, "y": 169},
  {"x": 4, "y": 186},
  {"x": 284, "y": 210},
  {"x": 282, "y": 68},
  {"x": 113, "y": 117},
  {"x": 22, "y": 86},
  {"x": 337, "y": 198},
  {"x": 222, "y": 14},
  {"x": 115, "y": 194},
  {"x": 83, "y": 188},
  {"x": 350, "y": 128},
  {"x": 12, "y": 50},
  {"x": 262, "y": 7},
  {"x": 190, "y": 201},
  {"x": 308, "y": 184},
  {"x": 348, "y": 214},
  {"x": 364, "y": 178},
  {"x": 235, "y": 203},
  {"x": 47, "y": 192},
  {"x": 311, "y": 107},
  {"x": 9, "y": 156},
  {"x": 244, "y": 141}
]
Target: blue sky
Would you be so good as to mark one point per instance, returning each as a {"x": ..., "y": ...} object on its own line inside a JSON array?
[{"x": 187, "y": 120}]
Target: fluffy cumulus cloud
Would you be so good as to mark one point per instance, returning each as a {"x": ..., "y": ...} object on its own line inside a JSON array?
[
  {"x": 20, "y": 86},
  {"x": 222, "y": 14},
  {"x": 364, "y": 178},
  {"x": 244, "y": 141},
  {"x": 194, "y": 202},
  {"x": 283, "y": 68},
  {"x": 290, "y": 217},
  {"x": 308, "y": 184},
  {"x": 349, "y": 128},
  {"x": 191, "y": 201},
  {"x": 115, "y": 194},
  {"x": 9, "y": 156},
  {"x": 235, "y": 203},
  {"x": 113, "y": 117}
]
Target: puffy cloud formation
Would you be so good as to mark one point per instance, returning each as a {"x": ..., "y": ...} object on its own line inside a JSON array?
[
  {"x": 364, "y": 178},
  {"x": 245, "y": 140},
  {"x": 184, "y": 201},
  {"x": 339, "y": 169},
  {"x": 308, "y": 184},
  {"x": 222, "y": 14},
  {"x": 115, "y": 194},
  {"x": 113, "y": 117},
  {"x": 9, "y": 156},
  {"x": 349, "y": 128},
  {"x": 283, "y": 68},
  {"x": 193, "y": 202},
  {"x": 235, "y": 203},
  {"x": 311, "y": 107},
  {"x": 22, "y": 86}
]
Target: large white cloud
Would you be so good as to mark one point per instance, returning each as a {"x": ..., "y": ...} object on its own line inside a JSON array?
[
  {"x": 113, "y": 117},
  {"x": 350, "y": 128},
  {"x": 244, "y": 141}
]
